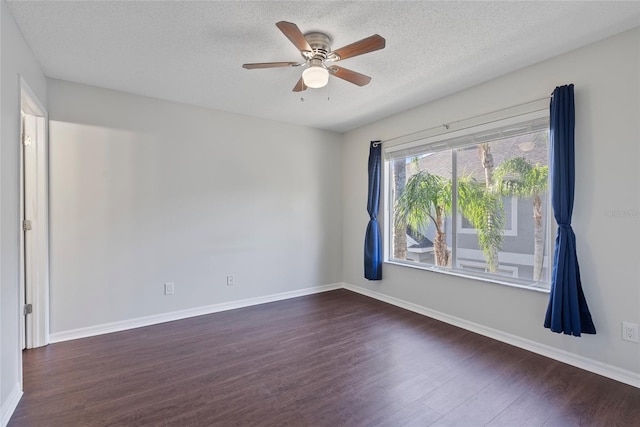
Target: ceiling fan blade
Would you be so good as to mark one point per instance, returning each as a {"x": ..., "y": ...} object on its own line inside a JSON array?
[
  {"x": 350, "y": 76},
  {"x": 269, "y": 65},
  {"x": 294, "y": 34},
  {"x": 370, "y": 44},
  {"x": 300, "y": 86}
]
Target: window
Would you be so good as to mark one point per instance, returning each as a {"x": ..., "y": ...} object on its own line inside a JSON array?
[{"x": 474, "y": 202}]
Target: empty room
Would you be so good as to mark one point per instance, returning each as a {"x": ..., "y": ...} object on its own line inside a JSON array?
[{"x": 319, "y": 213}]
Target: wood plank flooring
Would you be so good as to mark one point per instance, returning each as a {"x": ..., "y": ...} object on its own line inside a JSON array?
[{"x": 331, "y": 359}]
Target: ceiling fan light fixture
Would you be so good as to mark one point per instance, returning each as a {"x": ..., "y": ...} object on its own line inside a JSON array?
[{"x": 315, "y": 76}]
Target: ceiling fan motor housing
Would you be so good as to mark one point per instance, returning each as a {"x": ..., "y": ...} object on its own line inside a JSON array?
[{"x": 320, "y": 44}]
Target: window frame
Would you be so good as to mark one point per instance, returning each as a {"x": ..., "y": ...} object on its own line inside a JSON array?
[{"x": 440, "y": 141}]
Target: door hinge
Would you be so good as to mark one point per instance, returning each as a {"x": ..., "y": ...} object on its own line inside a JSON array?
[
  {"x": 26, "y": 225},
  {"x": 26, "y": 139},
  {"x": 28, "y": 309}
]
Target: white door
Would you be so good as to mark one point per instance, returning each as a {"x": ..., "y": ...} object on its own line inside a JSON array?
[
  {"x": 29, "y": 219},
  {"x": 35, "y": 228}
]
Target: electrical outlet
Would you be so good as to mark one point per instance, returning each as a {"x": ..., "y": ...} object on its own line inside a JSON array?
[
  {"x": 168, "y": 288},
  {"x": 229, "y": 280},
  {"x": 630, "y": 331}
]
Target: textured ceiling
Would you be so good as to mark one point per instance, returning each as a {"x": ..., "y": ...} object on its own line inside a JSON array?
[{"x": 192, "y": 52}]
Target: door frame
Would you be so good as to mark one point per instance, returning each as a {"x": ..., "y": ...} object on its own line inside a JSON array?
[{"x": 35, "y": 333}]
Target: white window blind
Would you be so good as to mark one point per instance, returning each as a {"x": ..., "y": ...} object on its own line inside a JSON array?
[{"x": 499, "y": 129}]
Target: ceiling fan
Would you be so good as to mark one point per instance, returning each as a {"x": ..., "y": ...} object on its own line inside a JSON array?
[{"x": 315, "y": 48}]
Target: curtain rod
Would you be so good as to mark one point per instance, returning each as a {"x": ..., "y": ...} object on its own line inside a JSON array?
[{"x": 447, "y": 126}]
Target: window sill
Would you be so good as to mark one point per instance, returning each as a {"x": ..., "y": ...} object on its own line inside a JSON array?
[{"x": 536, "y": 287}]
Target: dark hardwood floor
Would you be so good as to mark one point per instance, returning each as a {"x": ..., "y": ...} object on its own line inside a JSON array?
[{"x": 331, "y": 359}]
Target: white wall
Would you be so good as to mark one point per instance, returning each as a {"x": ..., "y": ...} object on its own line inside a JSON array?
[
  {"x": 16, "y": 59},
  {"x": 607, "y": 92},
  {"x": 144, "y": 192}
]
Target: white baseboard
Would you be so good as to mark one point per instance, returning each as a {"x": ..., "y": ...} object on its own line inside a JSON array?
[
  {"x": 587, "y": 364},
  {"x": 10, "y": 405},
  {"x": 107, "y": 328},
  {"x": 609, "y": 371}
]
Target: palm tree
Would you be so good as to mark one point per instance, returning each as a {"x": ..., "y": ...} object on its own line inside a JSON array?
[
  {"x": 492, "y": 228},
  {"x": 426, "y": 199},
  {"x": 485, "y": 211},
  {"x": 518, "y": 177}
]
